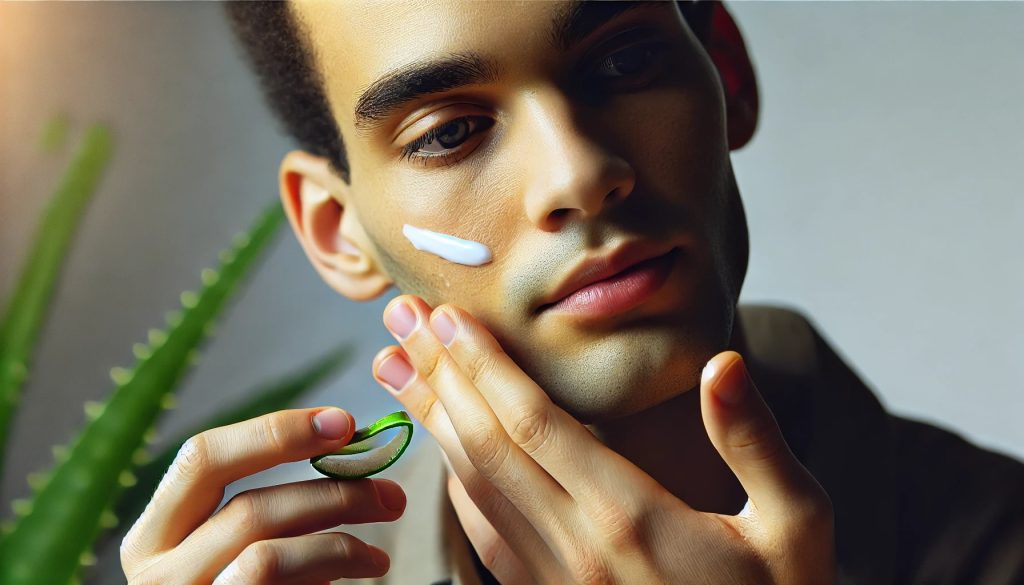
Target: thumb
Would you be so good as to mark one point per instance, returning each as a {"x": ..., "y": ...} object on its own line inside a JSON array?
[{"x": 743, "y": 430}]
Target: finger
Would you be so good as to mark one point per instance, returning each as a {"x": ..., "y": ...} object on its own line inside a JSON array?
[
  {"x": 563, "y": 447},
  {"x": 494, "y": 552},
  {"x": 281, "y": 511},
  {"x": 743, "y": 430},
  {"x": 485, "y": 442},
  {"x": 305, "y": 559},
  {"x": 419, "y": 399},
  {"x": 194, "y": 483}
]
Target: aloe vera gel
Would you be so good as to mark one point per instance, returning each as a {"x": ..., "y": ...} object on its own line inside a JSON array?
[{"x": 372, "y": 449}]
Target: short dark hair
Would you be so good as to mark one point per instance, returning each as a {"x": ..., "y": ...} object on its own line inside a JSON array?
[{"x": 293, "y": 87}]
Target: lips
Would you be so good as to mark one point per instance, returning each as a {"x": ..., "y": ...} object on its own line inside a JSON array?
[{"x": 613, "y": 283}]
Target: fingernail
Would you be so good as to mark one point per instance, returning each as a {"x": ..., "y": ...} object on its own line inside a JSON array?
[
  {"x": 331, "y": 423},
  {"x": 443, "y": 327},
  {"x": 379, "y": 557},
  {"x": 708, "y": 372},
  {"x": 401, "y": 320},
  {"x": 395, "y": 372},
  {"x": 391, "y": 496},
  {"x": 731, "y": 389}
]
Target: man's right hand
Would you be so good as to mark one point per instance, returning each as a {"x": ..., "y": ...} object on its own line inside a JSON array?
[{"x": 262, "y": 535}]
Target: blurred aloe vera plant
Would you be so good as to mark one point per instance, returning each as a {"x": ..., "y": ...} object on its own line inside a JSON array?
[{"x": 107, "y": 471}]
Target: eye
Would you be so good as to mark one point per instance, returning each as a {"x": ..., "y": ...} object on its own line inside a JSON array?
[
  {"x": 630, "y": 62},
  {"x": 438, "y": 142}
]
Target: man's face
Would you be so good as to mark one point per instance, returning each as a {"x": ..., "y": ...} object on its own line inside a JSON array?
[{"x": 560, "y": 154}]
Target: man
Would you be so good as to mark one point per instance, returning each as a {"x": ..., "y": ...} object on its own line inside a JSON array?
[{"x": 549, "y": 186}]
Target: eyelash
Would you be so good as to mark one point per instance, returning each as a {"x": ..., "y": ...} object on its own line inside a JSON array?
[
  {"x": 450, "y": 157},
  {"x": 445, "y": 158}
]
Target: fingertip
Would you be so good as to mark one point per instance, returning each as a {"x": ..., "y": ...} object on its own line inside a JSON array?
[
  {"x": 383, "y": 354},
  {"x": 391, "y": 495},
  {"x": 394, "y": 372},
  {"x": 333, "y": 423},
  {"x": 416, "y": 302},
  {"x": 444, "y": 325},
  {"x": 726, "y": 378},
  {"x": 388, "y": 307},
  {"x": 718, "y": 364},
  {"x": 380, "y": 559},
  {"x": 453, "y": 310}
]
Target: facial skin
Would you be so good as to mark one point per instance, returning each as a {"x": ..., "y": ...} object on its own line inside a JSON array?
[{"x": 564, "y": 155}]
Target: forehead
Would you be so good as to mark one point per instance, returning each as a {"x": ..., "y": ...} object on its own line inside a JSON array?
[
  {"x": 382, "y": 34},
  {"x": 358, "y": 42}
]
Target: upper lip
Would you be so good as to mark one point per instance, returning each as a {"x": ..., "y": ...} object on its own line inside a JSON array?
[{"x": 596, "y": 268}]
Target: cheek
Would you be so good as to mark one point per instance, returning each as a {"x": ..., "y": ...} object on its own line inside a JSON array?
[
  {"x": 684, "y": 140},
  {"x": 456, "y": 201},
  {"x": 470, "y": 199}
]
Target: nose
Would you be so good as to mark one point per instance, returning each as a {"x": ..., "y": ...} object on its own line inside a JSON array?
[{"x": 570, "y": 176}]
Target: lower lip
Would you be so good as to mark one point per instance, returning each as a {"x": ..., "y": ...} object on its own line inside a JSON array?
[{"x": 621, "y": 292}]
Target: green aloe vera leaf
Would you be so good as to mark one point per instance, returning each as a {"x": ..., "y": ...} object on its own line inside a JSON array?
[
  {"x": 26, "y": 310},
  {"x": 268, "y": 398},
  {"x": 56, "y": 529},
  {"x": 364, "y": 456}
]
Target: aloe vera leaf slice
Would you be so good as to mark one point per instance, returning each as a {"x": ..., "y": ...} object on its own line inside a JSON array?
[{"x": 365, "y": 455}]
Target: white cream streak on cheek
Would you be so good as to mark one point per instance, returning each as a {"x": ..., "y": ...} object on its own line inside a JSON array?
[{"x": 448, "y": 247}]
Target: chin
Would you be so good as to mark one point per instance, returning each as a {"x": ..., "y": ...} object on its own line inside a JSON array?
[{"x": 629, "y": 371}]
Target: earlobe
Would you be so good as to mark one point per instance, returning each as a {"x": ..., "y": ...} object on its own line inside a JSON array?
[
  {"x": 728, "y": 52},
  {"x": 329, "y": 230}
]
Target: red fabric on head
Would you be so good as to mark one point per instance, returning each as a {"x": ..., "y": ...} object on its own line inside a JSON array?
[{"x": 727, "y": 50}]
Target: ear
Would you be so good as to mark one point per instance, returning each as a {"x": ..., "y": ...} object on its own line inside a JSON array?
[
  {"x": 729, "y": 54},
  {"x": 327, "y": 227}
]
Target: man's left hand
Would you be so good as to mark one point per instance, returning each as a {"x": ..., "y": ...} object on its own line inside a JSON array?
[{"x": 544, "y": 501}]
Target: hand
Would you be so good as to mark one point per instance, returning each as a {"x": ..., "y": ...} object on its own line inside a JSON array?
[
  {"x": 544, "y": 501},
  {"x": 260, "y": 535}
]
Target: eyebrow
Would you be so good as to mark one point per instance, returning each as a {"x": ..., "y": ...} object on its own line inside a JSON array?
[{"x": 577, "y": 20}]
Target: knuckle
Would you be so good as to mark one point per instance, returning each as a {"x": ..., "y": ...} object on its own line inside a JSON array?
[
  {"x": 480, "y": 365},
  {"x": 619, "y": 527},
  {"x": 486, "y": 450},
  {"x": 260, "y": 562},
  {"x": 245, "y": 511},
  {"x": 339, "y": 492},
  {"x": 194, "y": 459},
  {"x": 533, "y": 430},
  {"x": 434, "y": 367},
  {"x": 490, "y": 554},
  {"x": 274, "y": 428},
  {"x": 758, "y": 443},
  {"x": 344, "y": 545},
  {"x": 426, "y": 409},
  {"x": 588, "y": 569}
]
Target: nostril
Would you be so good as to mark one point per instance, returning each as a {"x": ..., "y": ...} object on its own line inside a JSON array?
[
  {"x": 559, "y": 213},
  {"x": 614, "y": 195}
]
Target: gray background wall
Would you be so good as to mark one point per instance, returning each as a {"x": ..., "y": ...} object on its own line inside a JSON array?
[{"x": 883, "y": 191}]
